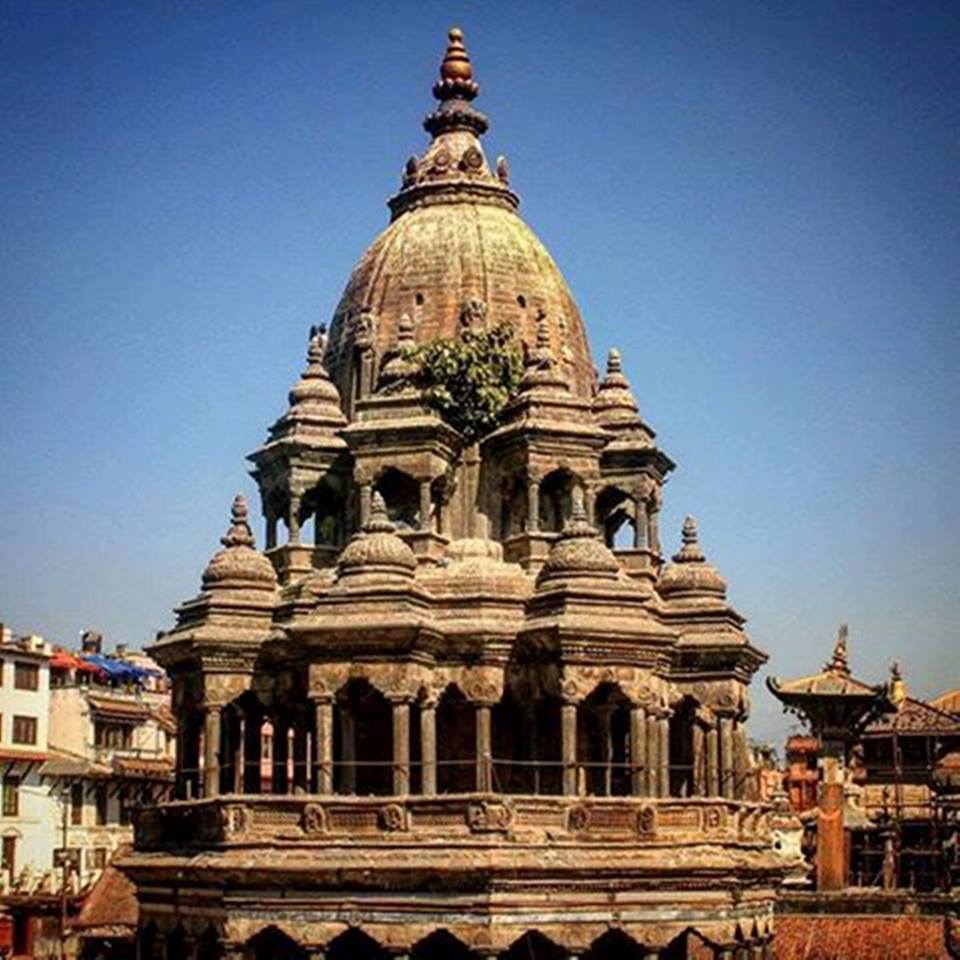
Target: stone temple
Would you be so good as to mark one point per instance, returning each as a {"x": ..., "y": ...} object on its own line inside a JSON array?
[{"x": 451, "y": 711}]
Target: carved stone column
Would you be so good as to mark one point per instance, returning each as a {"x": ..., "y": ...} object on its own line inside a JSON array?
[
  {"x": 426, "y": 503},
  {"x": 654, "y": 526},
  {"x": 211, "y": 751},
  {"x": 725, "y": 724},
  {"x": 533, "y": 505},
  {"x": 366, "y": 496},
  {"x": 640, "y": 523},
  {"x": 271, "y": 530},
  {"x": 484, "y": 749},
  {"x": 238, "y": 743},
  {"x": 713, "y": 760},
  {"x": 663, "y": 729},
  {"x": 568, "y": 717},
  {"x": 293, "y": 519},
  {"x": 323, "y": 744},
  {"x": 638, "y": 750},
  {"x": 740, "y": 761},
  {"x": 653, "y": 756},
  {"x": 698, "y": 779},
  {"x": 401, "y": 746},
  {"x": 428, "y": 747}
]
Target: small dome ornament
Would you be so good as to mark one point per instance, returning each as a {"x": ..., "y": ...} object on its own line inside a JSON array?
[
  {"x": 839, "y": 661},
  {"x": 399, "y": 371},
  {"x": 615, "y": 403},
  {"x": 377, "y": 551},
  {"x": 239, "y": 565},
  {"x": 578, "y": 551},
  {"x": 689, "y": 575},
  {"x": 542, "y": 372}
]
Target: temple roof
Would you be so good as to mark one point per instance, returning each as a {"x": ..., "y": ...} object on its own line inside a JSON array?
[{"x": 456, "y": 251}]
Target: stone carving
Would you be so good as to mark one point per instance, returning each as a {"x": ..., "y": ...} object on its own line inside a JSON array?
[
  {"x": 578, "y": 819},
  {"x": 474, "y": 313},
  {"x": 503, "y": 170},
  {"x": 647, "y": 821},
  {"x": 713, "y": 818},
  {"x": 313, "y": 821},
  {"x": 489, "y": 816},
  {"x": 392, "y": 817},
  {"x": 234, "y": 819},
  {"x": 472, "y": 159}
]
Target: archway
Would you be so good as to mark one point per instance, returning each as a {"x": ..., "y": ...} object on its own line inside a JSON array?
[
  {"x": 616, "y": 516},
  {"x": 401, "y": 496},
  {"x": 684, "y": 778},
  {"x": 354, "y": 944},
  {"x": 363, "y": 741},
  {"x": 556, "y": 497},
  {"x": 274, "y": 944},
  {"x": 441, "y": 945},
  {"x": 615, "y": 945},
  {"x": 603, "y": 741},
  {"x": 533, "y": 945}
]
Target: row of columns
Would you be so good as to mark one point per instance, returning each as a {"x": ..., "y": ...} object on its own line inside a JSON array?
[{"x": 719, "y": 751}]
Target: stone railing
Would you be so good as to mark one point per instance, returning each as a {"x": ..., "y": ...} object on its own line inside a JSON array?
[{"x": 281, "y": 820}]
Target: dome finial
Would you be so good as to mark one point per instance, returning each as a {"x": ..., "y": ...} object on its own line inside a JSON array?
[
  {"x": 239, "y": 534},
  {"x": 614, "y": 363},
  {"x": 456, "y": 62}
]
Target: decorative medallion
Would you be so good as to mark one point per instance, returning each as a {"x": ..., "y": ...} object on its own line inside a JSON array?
[
  {"x": 647, "y": 821},
  {"x": 392, "y": 817},
  {"x": 489, "y": 817},
  {"x": 313, "y": 820},
  {"x": 713, "y": 818},
  {"x": 578, "y": 819},
  {"x": 472, "y": 159}
]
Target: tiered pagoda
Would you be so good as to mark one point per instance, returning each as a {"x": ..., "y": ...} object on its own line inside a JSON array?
[{"x": 450, "y": 710}]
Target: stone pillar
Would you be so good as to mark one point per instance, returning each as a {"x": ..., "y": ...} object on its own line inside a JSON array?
[
  {"x": 713, "y": 760},
  {"x": 428, "y": 747},
  {"x": 831, "y": 842},
  {"x": 281, "y": 754},
  {"x": 348, "y": 750},
  {"x": 740, "y": 761},
  {"x": 654, "y": 526},
  {"x": 484, "y": 749},
  {"x": 663, "y": 729},
  {"x": 533, "y": 505},
  {"x": 568, "y": 716},
  {"x": 726, "y": 756},
  {"x": 238, "y": 743},
  {"x": 638, "y": 750},
  {"x": 271, "y": 531},
  {"x": 698, "y": 779},
  {"x": 653, "y": 756},
  {"x": 401, "y": 747},
  {"x": 640, "y": 523},
  {"x": 426, "y": 503},
  {"x": 323, "y": 745},
  {"x": 211, "y": 751},
  {"x": 301, "y": 763},
  {"x": 293, "y": 519},
  {"x": 366, "y": 496},
  {"x": 606, "y": 750}
]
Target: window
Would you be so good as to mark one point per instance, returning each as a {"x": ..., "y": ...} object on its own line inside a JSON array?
[
  {"x": 8, "y": 859},
  {"x": 102, "y": 798},
  {"x": 67, "y": 857},
  {"x": 26, "y": 676},
  {"x": 25, "y": 730},
  {"x": 11, "y": 796},
  {"x": 117, "y": 736},
  {"x": 76, "y": 804},
  {"x": 97, "y": 858}
]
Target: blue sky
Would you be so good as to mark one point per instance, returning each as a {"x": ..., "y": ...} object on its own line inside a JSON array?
[{"x": 757, "y": 202}]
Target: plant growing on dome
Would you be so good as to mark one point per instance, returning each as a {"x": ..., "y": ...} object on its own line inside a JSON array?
[{"x": 470, "y": 378}]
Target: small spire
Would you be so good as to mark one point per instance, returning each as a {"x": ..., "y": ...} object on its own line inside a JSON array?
[
  {"x": 839, "y": 662},
  {"x": 405, "y": 331},
  {"x": 239, "y": 534},
  {"x": 379, "y": 520},
  {"x": 578, "y": 510},
  {"x": 455, "y": 89},
  {"x": 690, "y": 552},
  {"x": 614, "y": 363}
]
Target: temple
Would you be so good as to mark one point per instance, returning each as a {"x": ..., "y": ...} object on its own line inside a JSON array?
[{"x": 460, "y": 705}]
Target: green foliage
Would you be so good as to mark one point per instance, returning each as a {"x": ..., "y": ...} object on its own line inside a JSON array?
[{"x": 469, "y": 379}]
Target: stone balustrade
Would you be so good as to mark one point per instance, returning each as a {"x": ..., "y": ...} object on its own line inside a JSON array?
[{"x": 289, "y": 820}]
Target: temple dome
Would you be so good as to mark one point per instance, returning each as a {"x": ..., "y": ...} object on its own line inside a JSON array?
[
  {"x": 456, "y": 252},
  {"x": 239, "y": 565},
  {"x": 690, "y": 575}
]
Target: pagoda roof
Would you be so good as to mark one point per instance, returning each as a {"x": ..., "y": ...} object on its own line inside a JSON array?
[{"x": 916, "y": 716}]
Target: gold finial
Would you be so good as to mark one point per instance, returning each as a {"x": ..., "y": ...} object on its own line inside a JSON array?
[
  {"x": 898, "y": 689},
  {"x": 456, "y": 62}
]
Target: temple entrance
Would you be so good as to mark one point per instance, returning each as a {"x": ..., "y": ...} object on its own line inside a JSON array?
[
  {"x": 456, "y": 743},
  {"x": 683, "y": 772},
  {"x": 603, "y": 742}
]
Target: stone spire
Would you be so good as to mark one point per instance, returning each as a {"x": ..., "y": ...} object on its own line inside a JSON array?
[
  {"x": 578, "y": 550},
  {"x": 239, "y": 565},
  {"x": 898, "y": 689},
  {"x": 314, "y": 400},
  {"x": 377, "y": 552},
  {"x": 615, "y": 403},
  {"x": 839, "y": 663},
  {"x": 542, "y": 372},
  {"x": 399, "y": 370},
  {"x": 689, "y": 575}
]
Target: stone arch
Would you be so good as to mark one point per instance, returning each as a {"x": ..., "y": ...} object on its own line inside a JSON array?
[
  {"x": 603, "y": 741},
  {"x": 401, "y": 495},
  {"x": 614, "y": 945},
  {"x": 325, "y": 504},
  {"x": 514, "y": 503},
  {"x": 685, "y": 754},
  {"x": 556, "y": 499},
  {"x": 272, "y": 943},
  {"x": 148, "y": 938},
  {"x": 615, "y": 511},
  {"x": 209, "y": 946},
  {"x": 441, "y": 945},
  {"x": 533, "y": 945},
  {"x": 456, "y": 721},
  {"x": 363, "y": 740},
  {"x": 177, "y": 942},
  {"x": 354, "y": 944}
]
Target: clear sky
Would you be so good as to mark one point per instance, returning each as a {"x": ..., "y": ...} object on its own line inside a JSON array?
[{"x": 757, "y": 202}]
